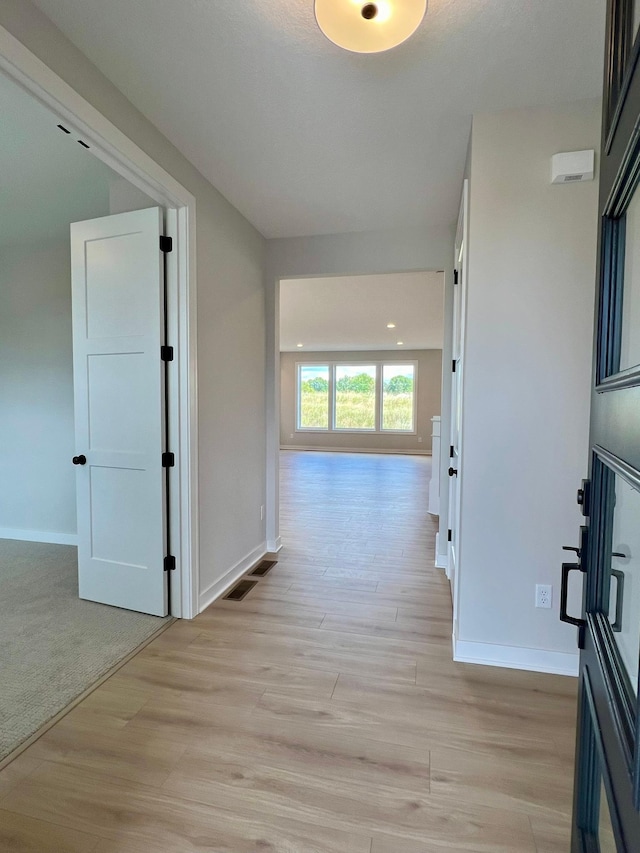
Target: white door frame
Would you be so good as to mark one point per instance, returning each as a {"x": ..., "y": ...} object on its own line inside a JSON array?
[{"x": 122, "y": 155}]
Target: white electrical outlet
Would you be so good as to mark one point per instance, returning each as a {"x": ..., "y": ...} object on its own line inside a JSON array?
[
  {"x": 419, "y": 438},
  {"x": 291, "y": 436},
  {"x": 544, "y": 595}
]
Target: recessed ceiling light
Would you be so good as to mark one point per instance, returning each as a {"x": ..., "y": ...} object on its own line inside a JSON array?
[
  {"x": 299, "y": 345},
  {"x": 400, "y": 343},
  {"x": 391, "y": 325},
  {"x": 364, "y": 27}
]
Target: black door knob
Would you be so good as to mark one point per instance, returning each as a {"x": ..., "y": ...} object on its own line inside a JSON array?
[
  {"x": 453, "y": 472},
  {"x": 80, "y": 460}
]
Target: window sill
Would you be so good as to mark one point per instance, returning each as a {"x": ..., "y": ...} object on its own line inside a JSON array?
[{"x": 320, "y": 431}]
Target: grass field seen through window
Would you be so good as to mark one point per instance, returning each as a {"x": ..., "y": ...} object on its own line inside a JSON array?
[{"x": 356, "y": 410}]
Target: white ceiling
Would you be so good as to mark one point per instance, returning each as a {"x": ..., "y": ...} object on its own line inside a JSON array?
[
  {"x": 305, "y": 138},
  {"x": 47, "y": 179},
  {"x": 352, "y": 312}
]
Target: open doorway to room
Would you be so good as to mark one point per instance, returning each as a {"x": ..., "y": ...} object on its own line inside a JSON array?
[
  {"x": 360, "y": 396},
  {"x": 55, "y": 645},
  {"x": 361, "y": 362}
]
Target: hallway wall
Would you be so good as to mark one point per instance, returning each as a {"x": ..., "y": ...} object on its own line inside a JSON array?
[{"x": 532, "y": 272}]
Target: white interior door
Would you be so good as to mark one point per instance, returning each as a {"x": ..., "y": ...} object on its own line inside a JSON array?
[
  {"x": 455, "y": 449},
  {"x": 454, "y": 444},
  {"x": 117, "y": 272}
]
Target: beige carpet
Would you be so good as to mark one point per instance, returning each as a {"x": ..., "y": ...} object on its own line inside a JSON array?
[{"x": 52, "y": 645}]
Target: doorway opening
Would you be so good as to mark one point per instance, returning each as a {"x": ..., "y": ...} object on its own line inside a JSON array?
[
  {"x": 59, "y": 645},
  {"x": 104, "y": 141},
  {"x": 360, "y": 365}
]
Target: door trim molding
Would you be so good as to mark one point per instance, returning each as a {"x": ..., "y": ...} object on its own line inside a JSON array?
[
  {"x": 274, "y": 546},
  {"x": 515, "y": 657},
  {"x": 442, "y": 560},
  {"x": 121, "y": 154}
]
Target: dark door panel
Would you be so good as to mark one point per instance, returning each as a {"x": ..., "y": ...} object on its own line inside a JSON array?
[{"x": 607, "y": 789}]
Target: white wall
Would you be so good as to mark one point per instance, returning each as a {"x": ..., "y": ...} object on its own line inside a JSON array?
[
  {"x": 124, "y": 197},
  {"x": 360, "y": 253},
  {"x": 37, "y": 499},
  {"x": 532, "y": 257},
  {"x": 38, "y": 496},
  {"x": 231, "y": 342}
]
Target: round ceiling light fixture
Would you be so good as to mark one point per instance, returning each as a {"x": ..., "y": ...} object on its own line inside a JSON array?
[{"x": 363, "y": 27}]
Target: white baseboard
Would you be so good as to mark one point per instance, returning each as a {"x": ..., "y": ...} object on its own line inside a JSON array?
[
  {"x": 515, "y": 657},
  {"x": 52, "y": 537},
  {"x": 442, "y": 560},
  {"x": 215, "y": 590},
  {"x": 274, "y": 545},
  {"x": 355, "y": 450}
]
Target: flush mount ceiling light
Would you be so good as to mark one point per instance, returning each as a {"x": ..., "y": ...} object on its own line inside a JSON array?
[
  {"x": 299, "y": 345},
  {"x": 369, "y": 27},
  {"x": 400, "y": 343},
  {"x": 391, "y": 325}
]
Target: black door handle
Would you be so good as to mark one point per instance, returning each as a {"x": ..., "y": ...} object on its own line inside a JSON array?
[
  {"x": 564, "y": 616},
  {"x": 619, "y": 576},
  {"x": 80, "y": 460},
  {"x": 453, "y": 472},
  {"x": 584, "y": 532}
]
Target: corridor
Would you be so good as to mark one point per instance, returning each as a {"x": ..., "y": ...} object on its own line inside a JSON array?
[{"x": 320, "y": 714}]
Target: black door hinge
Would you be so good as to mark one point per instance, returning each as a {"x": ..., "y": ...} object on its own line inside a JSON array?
[
  {"x": 449, "y": 535},
  {"x": 453, "y": 366},
  {"x": 166, "y": 353},
  {"x": 168, "y": 460},
  {"x": 166, "y": 243},
  {"x": 169, "y": 563},
  {"x": 451, "y": 451},
  {"x": 455, "y": 276}
]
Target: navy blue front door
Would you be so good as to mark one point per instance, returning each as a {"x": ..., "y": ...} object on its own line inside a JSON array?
[{"x": 607, "y": 555}]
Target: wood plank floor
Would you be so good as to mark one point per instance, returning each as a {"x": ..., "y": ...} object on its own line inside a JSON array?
[{"x": 320, "y": 714}]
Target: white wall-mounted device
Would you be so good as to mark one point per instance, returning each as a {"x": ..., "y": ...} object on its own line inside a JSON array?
[{"x": 571, "y": 167}]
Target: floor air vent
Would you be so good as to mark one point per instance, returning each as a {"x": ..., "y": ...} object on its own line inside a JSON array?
[
  {"x": 240, "y": 590},
  {"x": 262, "y": 568}
]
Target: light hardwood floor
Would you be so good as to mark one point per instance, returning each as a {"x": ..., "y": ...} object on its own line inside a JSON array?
[{"x": 321, "y": 714}]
